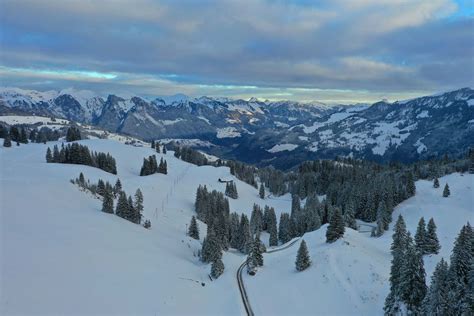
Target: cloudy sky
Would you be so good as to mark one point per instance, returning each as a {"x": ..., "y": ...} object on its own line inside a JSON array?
[{"x": 326, "y": 50}]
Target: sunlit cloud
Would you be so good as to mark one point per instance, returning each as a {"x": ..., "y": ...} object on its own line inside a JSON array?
[{"x": 359, "y": 50}]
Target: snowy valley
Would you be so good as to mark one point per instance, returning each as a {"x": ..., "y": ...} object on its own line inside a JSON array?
[{"x": 62, "y": 255}]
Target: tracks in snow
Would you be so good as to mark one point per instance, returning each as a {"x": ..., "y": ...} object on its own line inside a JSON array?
[{"x": 240, "y": 280}]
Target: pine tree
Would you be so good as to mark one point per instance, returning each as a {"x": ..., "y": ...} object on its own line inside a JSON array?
[
  {"x": 193, "y": 230},
  {"x": 7, "y": 142},
  {"x": 23, "y": 137},
  {"x": 261, "y": 191},
  {"x": 117, "y": 187},
  {"x": 284, "y": 228},
  {"x": 412, "y": 282},
  {"x": 164, "y": 149},
  {"x": 49, "y": 156},
  {"x": 436, "y": 183},
  {"x": 108, "y": 201},
  {"x": 411, "y": 188},
  {"x": 121, "y": 209},
  {"x": 244, "y": 236},
  {"x": 211, "y": 250},
  {"x": 217, "y": 268},
  {"x": 272, "y": 227},
  {"x": 432, "y": 242},
  {"x": 461, "y": 262},
  {"x": 130, "y": 215},
  {"x": 446, "y": 191},
  {"x": 256, "y": 220},
  {"x": 258, "y": 248},
  {"x": 82, "y": 180},
  {"x": 349, "y": 217},
  {"x": 420, "y": 237},
  {"x": 138, "y": 207},
  {"x": 336, "y": 226},
  {"x": 100, "y": 187},
  {"x": 436, "y": 299},
  {"x": 399, "y": 244},
  {"x": 303, "y": 261}
]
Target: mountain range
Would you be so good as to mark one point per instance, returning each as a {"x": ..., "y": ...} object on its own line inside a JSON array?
[{"x": 278, "y": 133}]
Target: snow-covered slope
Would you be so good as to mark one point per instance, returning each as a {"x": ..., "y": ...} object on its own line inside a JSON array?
[
  {"x": 61, "y": 255},
  {"x": 350, "y": 277}
]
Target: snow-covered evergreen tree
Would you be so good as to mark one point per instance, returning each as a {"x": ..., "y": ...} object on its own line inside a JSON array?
[
  {"x": 211, "y": 250},
  {"x": 393, "y": 301},
  {"x": 117, "y": 187},
  {"x": 49, "y": 155},
  {"x": 217, "y": 268},
  {"x": 349, "y": 217},
  {"x": 336, "y": 226},
  {"x": 231, "y": 190},
  {"x": 459, "y": 270},
  {"x": 256, "y": 220},
  {"x": 261, "y": 191},
  {"x": 412, "y": 278},
  {"x": 193, "y": 230},
  {"x": 138, "y": 207},
  {"x": 446, "y": 191},
  {"x": 108, "y": 201},
  {"x": 432, "y": 242},
  {"x": 122, "y": 205},
  {"x": 436, "y": 183},
  {"x": 436, "y": 301},
  {"x": 420, "y": 237},
  {"x": 284, "y": 228},
  {"x": 303, "y": 260},
  {"x": 244, "y": 236}
]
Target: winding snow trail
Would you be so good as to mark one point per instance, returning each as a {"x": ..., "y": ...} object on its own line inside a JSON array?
[{"x": 240, "y": 281}]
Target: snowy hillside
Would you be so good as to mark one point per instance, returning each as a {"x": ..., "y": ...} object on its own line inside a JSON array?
[
  {"x": 350, "y": 277},
  {"x": 60, "y": 251},
  {"x": 62, "y": 255}
]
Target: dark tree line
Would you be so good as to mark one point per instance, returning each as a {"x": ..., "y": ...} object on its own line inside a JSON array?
[
  {"x": 80, "y": 154},
  {"x": 126, "y": 207},
  {"x": 231, "y": 190},
  {"x": 73, "y": 133},
  {"x": 151, "y": 166},
  {"x": 190, "y": 155},
  {"x": 19, "y": 135},
  {"x": 243, "y": 172}
]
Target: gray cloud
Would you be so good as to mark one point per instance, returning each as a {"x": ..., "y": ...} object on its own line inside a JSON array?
[{"x": 372, "y": 48}]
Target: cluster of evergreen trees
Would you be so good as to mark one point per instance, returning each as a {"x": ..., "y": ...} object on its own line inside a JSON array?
[
  {"x": 426, "y": 240},
  {"x": 225, "y": 229},
  {"x": 190, "y": 155},
  {"x": 273, "y": 179},
  {"x": 22, "y": 135},
  {"x": 157, "y": 147},
  {"x": 243, "y": 172},
  {"x": 231, "y": 190},
  {"x": 126, "y": 207},
  {"x": 255, "y": 256},
  {"x": 15, "y": 134},
  {"x": 449, "y": 290},
  {"x": 19, "y": 134},
  {"x": 80, "y": 154},
  {"x": 73, "y": 133},
  {"x": 151, "y": 166}
]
